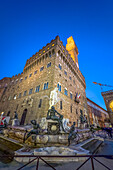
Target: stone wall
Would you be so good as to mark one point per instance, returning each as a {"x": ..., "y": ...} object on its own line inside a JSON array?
[{"x": 54, "y": 53}]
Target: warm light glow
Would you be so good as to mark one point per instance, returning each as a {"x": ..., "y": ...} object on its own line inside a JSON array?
[
  {"x": 111, "y": 105},
  {"x": 53, "y": 44},
  {"x": 43, "y": 51},
  {"x": 70, "y": 44},
  {"x": 72, "y": 49}
]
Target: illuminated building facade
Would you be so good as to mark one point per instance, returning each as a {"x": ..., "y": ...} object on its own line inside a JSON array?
[
  {"x": 53, "y": 66},
  {"x": 97, "y": 115},
  {"x": 108, "y": 99}
]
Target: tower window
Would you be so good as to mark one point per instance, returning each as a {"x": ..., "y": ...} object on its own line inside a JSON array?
[{"x": 37, "y": 89}]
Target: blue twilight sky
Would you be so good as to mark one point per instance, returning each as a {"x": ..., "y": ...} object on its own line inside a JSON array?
[{"x": 28, "y": 25}]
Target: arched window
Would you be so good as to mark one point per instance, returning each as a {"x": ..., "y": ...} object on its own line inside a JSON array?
[
  {"x": 65, "y": 91},
  {"x": 46, "y": 86},
  {"x": 59, "y": 52},
  {"x": 59, "y": 87},
  {"x": 60, "y": 67},
  {"x": 53, "y": 52},
  {"x": 46, "y": 55},
  {"x": 50, "y": 54}
]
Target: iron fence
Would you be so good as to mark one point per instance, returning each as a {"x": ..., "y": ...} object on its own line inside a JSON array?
[{"x": 37, "y": 158}]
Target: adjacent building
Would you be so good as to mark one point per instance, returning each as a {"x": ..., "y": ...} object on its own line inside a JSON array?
[
  {"x": 97, "y": 115},
  {"x": 29, "y": 92},
  {"x": 108, "y": 99}
]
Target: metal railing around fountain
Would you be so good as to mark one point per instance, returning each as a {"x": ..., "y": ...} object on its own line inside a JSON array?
[{"x": 42, "y": 158}]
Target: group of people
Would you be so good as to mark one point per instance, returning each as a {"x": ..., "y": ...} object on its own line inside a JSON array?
[{"x": 108, "y": 130}]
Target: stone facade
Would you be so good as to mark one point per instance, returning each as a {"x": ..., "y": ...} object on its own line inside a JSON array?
[
  {"x": 108, "y": 99},
  {"x": 97, "y": 115},
  {"x": 29, "y": 92}
]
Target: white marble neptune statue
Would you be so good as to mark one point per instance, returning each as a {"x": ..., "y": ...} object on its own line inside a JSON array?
[{"x": 53, "y": 97}]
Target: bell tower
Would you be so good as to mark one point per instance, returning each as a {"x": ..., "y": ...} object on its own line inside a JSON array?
[{"x": 72, "y": 49}]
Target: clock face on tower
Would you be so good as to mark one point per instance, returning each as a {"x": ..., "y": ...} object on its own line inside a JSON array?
[{"x": 111, "y": 105}]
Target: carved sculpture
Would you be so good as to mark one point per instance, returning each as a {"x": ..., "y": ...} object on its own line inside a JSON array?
[
  {"x": 57, "y": 121},
  {"x": 72, "y": 133},
  {"x": 36, "y": 130}
]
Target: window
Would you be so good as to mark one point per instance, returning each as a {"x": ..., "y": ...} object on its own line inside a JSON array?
[
  {"x": 49, "y": 64},
  {"x": 16, "y": 81},
  {"x": 30, "y": 75},
  {"x": 61, "y": 105},
  {"x": 65, "y": 73},
  {"x": 30, "y": 91},
  {"x": 45, "y": 86},
  {"x": 71, "y": 108},
  {"x": 21, "y": 80},
  {"x": 25, "y": 92},
  {"x": 71, "y": 95},
  {"x": 65, "y": 91},
  {"x": 25, "y": 78},
  {"x": 37, "y": 89},
  {"x": 19, "y": 95},
  {"x": 35, "y": 72},
  {"x": 76, "y": 111},
  {"x": 69, "y": 77},
  {"x": 46, "y": 55},
  {"x": 59, "y": 87},
  {"x": 53, "y": 51},
  {"x": 14, "y": 96},
  {"x": 74, "y": 81},
  {"x": 60, "y": 67},
  {"x": 81, "y": 111},
  {"x": 49, "y": 54},
  {"x": 40, "y": 103},
  {"x": 41, "y": 68}
]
